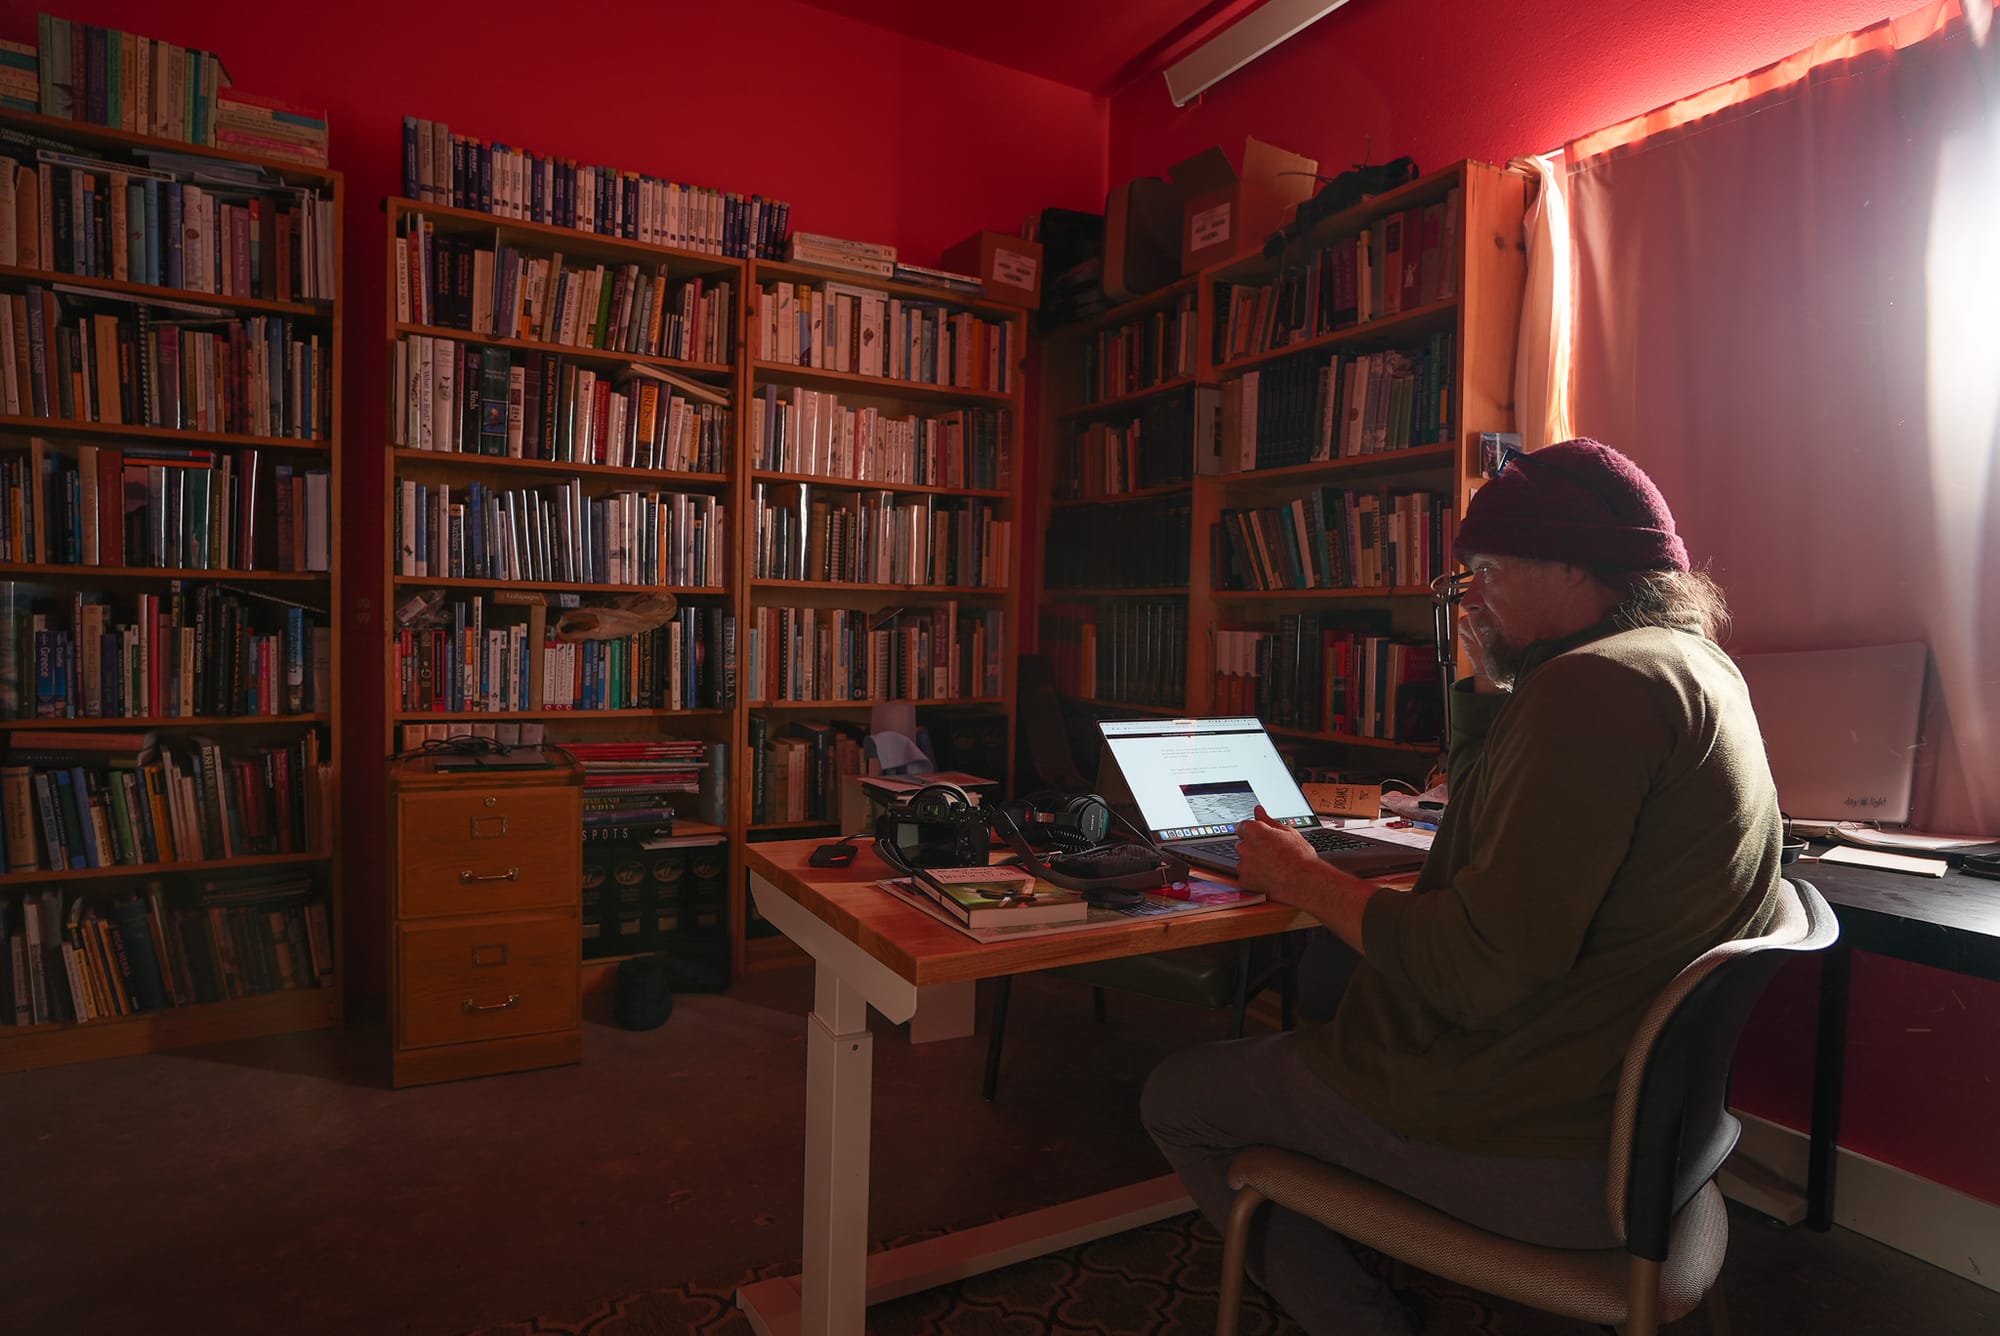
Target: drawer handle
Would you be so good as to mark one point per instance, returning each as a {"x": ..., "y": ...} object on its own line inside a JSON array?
[
  {"x": 468, "y": 876},
  {"x": 469, "y": 1006}
]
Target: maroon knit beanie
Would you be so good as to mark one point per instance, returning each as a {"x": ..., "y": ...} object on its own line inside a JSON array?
[{"x": 1579, "y": 502}]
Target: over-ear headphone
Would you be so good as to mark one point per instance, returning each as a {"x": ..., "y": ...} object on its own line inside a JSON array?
[
  {"x": 1114, "y": 874},
  {"x": 1070, "y": 823}
]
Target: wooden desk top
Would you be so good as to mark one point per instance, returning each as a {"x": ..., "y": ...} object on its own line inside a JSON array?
[
  {"x": 924, "y": 951},
  {"x": 1952, "y": 922}
]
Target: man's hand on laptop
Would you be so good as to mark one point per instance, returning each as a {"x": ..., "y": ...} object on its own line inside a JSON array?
[{"x": 1277, "y": 860}]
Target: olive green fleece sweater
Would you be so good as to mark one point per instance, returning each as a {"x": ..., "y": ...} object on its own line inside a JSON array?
[{"x": 1609, "y": 820}]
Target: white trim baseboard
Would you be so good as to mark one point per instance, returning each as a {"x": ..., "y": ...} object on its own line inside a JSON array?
[{"x": 1947, "y": 1228}]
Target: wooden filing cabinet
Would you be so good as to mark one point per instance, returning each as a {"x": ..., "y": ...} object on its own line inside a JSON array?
[{"x": 486, "y": 936}]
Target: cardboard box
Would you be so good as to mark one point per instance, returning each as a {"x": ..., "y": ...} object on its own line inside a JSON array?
[
  {"x": 1010, "y": 268},
  {"x": 1228, "y": 212}
]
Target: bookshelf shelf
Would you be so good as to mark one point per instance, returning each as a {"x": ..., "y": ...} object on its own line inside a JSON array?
[
  {"x": 573, "y": 243},
  {"x": 167, "y": 296},
  {"x": 1163, "y": 299},
  {"x": 606, "y": 356},
  {"x": 1136, "y": 397},
  {"x": 1389, "y": 328},
  {"x": 465, "y": 582},
  {"x": 462, "y": 459},
  {"x": 955, "y": 591},
  {"x": 24, "y": 1048},
  {"x": 866, "y": 485},
  {"x": 1281, "y": 595},
  {"x": 1292, "y": 476},
  {"x": 453, "y": 716},
  {"x": 787, "y": 271},
  {"x": 928, "y": 702},
  {"x": 884, "y": 387},
  {"x": 776, "y": 827},
  {"x": 156, "y": 869},
  {"x": 104, "y": 136},
  {"x": 1109, "y": 591},
  {"x": 1357, "y": 740},
  {"x": 275, "y": 606},
  {"x": 164, "y": 721},
  {"x": 25, "y": 424},
  {"x": 1118, "y": 498},
  {"x": 1094, "y": 703},
  {"x": 43, "y": 570}
]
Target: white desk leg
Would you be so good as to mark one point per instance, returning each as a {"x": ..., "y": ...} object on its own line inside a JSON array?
[{"x": 840, "y": 1057}]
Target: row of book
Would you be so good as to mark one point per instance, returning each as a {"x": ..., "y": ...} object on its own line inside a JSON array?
[
  {"x": 1311, "y": 675},
  {"x": 633, "y": 783},
  {"x": 1153, "y": 446},
  {"x": 457, "y": 283},
  {"x": 440, "y": 167},
  {"x": 560, "y": 533},
  {"x": 1308, "y": 407},
  {"x": 842, "y": 327},
  {"x": 167, "y": 507},
  {"x": 1334, "y": 538},
  {"x": 797, "y": 430},
  {"x": 195, "y": 370},
  {"x": 503, "y": 653},
  {"x": 1136, "y": 545},
  {"x": 194, "y": 651},
  {"x": 1154, "y": 348},
  {"x": 1131, "y": 651},
  {"x": 644, "y": 895},
  {"x": 845, "y": 654},
  {"x": 119, "y": 800},
  {"x": 69, "y": 958},
  {"x": 106, "y": 76},
  {"x": 130, "y": 223},
  {"x": 805, "y": 533},
  {"x": 458, "y": 398},
  {"x": 797, "y": 769},
  {"x": 1403, "y": 262}
]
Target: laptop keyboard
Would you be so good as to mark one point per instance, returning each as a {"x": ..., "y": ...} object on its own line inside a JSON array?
[{"x": 1320, "y": 838}]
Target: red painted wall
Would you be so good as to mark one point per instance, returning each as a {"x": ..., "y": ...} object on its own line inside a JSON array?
[
  {"x": 1381, "y": 78},
  {"x": 867, "y": 135}
]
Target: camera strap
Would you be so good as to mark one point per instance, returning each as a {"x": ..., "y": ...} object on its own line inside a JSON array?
[{"x": 1114, "y": 874}]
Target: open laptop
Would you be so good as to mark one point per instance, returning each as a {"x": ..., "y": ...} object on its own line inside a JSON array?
[{"x": 1193, "y": 780}]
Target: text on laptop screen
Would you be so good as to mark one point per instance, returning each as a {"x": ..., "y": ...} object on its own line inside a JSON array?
[{"x": 1197, "y": 777}]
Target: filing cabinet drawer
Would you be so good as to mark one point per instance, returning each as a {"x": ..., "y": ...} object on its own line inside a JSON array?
[
  {"x": 468, "y": 980},
  {"x": 487, "y": 852}
]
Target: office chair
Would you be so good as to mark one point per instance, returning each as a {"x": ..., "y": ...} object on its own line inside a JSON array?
[
  {"x": 1671, "y": 1131},
  {"x": 1211, "y": 977}
]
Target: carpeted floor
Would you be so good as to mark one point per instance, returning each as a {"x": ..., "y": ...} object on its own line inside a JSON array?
[{"x": 279, "y": 1186}]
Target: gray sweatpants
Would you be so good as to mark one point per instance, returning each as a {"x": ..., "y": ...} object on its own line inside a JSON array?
[{"x": 1204, "y": 1104}]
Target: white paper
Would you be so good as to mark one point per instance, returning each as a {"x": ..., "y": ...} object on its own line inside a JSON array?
[
  {"x": 1014, "y": 269},
  {"x": 1923, "y": 867},
  {"x": 1210, "y": 227}
]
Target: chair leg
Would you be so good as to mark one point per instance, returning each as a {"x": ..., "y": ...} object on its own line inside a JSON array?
[
  {"x": 1642, "y": 1298},
  {"x": 1235, "y": 1244},
  {"x": 1004, "y": 986},
  {"x": 1717, "y": 1310},
  {"x": 1097, "y": 1002}
]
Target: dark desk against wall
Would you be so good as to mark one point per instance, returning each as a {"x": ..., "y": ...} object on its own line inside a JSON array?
[{"x": 1950, "y": 924}]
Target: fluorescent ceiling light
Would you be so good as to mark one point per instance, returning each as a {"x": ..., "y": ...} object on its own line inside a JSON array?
[{"x": 1236, "y": 46}]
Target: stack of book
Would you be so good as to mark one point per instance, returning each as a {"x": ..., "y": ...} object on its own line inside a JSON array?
[
  {"x": 630, "y": 785},
  {"x": 267, "y": 128},
  {"x": 128, "y": 82},
  {"x": 856, "y": 257}
]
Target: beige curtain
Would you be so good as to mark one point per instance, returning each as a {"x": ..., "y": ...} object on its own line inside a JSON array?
[
  {"x": 1542, "y": 351},
  {"x": 1788, "y": 310}
]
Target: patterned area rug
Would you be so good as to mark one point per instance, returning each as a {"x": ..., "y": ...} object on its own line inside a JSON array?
[{"x": 1157, "y": 1281}]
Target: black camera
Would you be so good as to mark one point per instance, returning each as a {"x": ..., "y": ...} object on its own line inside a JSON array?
[{"x": 935, "y": 826}]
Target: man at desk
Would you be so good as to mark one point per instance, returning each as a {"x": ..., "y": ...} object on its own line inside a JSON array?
[{"x": 1611, "y": 817}]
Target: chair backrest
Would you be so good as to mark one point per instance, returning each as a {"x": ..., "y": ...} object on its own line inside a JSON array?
[{"x": 1671, "y": 1127}]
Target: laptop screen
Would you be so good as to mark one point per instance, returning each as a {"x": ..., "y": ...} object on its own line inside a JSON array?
[
  {"x": 1197, "y": 777},
  {"x": 1841, "y": 728}
]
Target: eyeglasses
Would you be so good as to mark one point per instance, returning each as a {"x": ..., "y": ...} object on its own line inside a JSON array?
[{"x": 1447, "y": 590}]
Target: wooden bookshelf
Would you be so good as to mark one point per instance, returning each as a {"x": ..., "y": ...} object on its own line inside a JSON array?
[
  {"x": 1479, "y": 315},
  {"x": 186, "y": 1021},
  {"x": 714, "y": 725},
  {"x": 896, "y": 397}
]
